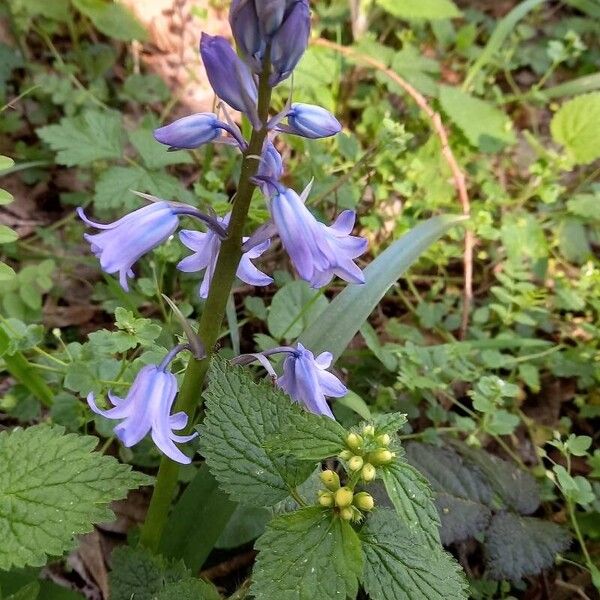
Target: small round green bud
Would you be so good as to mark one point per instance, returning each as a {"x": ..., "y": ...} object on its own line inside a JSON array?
[
  {"x": 344, "y": 497},
  {"x": 330, "y": 479},
  {"x": 383, "y": 440},
  {"x": 326, "y": 499},
  {"x": 368, "y": 472},
  {"x": 354, "y": 441},
  {"x": 381, "y": 457},
  {"x": 346, "y": 454},
  {"x": 347, "y": 513},
  {"x": 369, "y": 430},
  {"x": 355, "y": 463},
  {"x": 364, "y": 501}
]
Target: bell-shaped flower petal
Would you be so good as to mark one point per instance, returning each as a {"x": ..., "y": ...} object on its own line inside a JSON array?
[
  {"x": 290, "y": 41},
  {"x": 206, "y": 248},
  {"x": 190, "y": 132},
  {"x": 271, "y": 164},
  {"x": 247, "y": 32},
  {"x": 147, "y": 410},
  {"x": 307, "y": 381},
  {"x": 317, "y": 252},
  {"x": 311, "y": 121},
  {"x": 125, "y": 241},
  {"x": 229, "y": 76}
]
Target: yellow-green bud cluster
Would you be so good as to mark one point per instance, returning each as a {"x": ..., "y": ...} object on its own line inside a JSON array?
[
  {"x": 343, "y": 499},
  {"x": 359, "y": 460}
]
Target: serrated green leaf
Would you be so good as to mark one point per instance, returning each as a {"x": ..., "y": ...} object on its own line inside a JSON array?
[
  {"x": 113, "y": 188},
  {"x": 6, "y": 163},
  {"x": 189, "y": 589},
  {"x": 155, "y": 155},
  {"x": 519, "y": 546},
  {"x": 240, "y": 416},
  {"x": 421, "y": 9},
  {"x": 7, "y": 235},
  {"x": 400, "y": 567},
  {"x": 308, "y": 437},
  {"x": 112, "y": 19},
  {"x": 413, "y": 500},
  {"x": 389, "y": 422},
  {"x": 81, "y": 140},
  {"x": 55, "y": 487},
  {"x": 576, "y": 126},
  {"x": 5, "y": 197},
  {"x": 305, "y": 555},
  {"x": 485, "y": 126}
]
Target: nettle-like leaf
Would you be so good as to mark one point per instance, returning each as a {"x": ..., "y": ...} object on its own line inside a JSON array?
[
  {"x": 515, "y": 487},
  {"x": 413, "y": 500},
  {"x": 241, "y": 416},
  {"x": 518, "y": 546},
  {"x": 400, "y": 566},
  {"x": 462, "y": 495},
  {"x": 307, "y": 554},
  {"x": 89, "y": 137},
  {"x": 389, "y": 422},
  {"x": 189, "y": 589},
  {"x": 53, "y": 487}
]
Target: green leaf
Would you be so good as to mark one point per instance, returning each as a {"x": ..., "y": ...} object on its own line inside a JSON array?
[
  {"x": 389, "y": 422},
  {"x": 307, "y": 554},
  {"x": 573, "y": 241},
  {"x": 585, "y": 205},
  {"x": 413, "y": 500},
  {"x": 576, "y": 126},
  {"x": 462, "y": 495},
  {"x": 518, "y": 546},
  {"x": 399, "y": 566},
  {"x": 114, "y": 187},
  {"x": 423, "y": 9},
  {"x": 5, "y": 197},
  {"x": 56, "y": 488},
  {"x": 6, "y": 273},
  {"x": 485, "y": 126},
  {"x": 240, "y": 416},
  {"x": 293, "y": 308},
  {"x": 7, "y": 235},
  {"x": 29, "y": 592},
  {"x": 155, "y": 155},
  {"x": 81, "y": 140},
  {"x": 112, "y": 19},
  {"x": 57, "y": 9},
  {"x": 308, "y": 437},
  {"x": 139, "y": 574},
  {"x": 189, "y": 589},
  {"x": 6, "y": 163},
  {"x": 246, "y": 524},
  {"x": 196, "y": 521},
  {"x": 335, "y": 327}
]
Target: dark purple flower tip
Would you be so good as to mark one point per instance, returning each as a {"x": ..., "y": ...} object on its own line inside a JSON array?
[
  {"x": 229, "y": 76},
  {"x": 290, "y": 41},
  {"x": 311, "y": 121},
  {"x": 189, "y": 132},
  {"x": 247, "y": 32}
]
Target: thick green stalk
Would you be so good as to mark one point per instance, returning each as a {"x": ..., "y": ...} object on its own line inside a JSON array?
[{"x": 212, "y": 317}]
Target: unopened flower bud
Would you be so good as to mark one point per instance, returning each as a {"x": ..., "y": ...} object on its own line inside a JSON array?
[
  {"x": 347, "y": 513},
  {"x": 364, "y": 501},
  {"x": 354, "y": 441},
  {"x": 326, "y": 499},
  {"x": 313, "y": 122},
  {"x": 381, "y": 457},
  {"x": 369, "y": 430},
  {"x": 343, "y": 497},
  {"x": 368, "y": 472},
  {"x": 383, "y": 439},
  {"x": 355, "y": 463},
  {"x": 345, "y": 454},
  {"x": 331, "y": 480}
]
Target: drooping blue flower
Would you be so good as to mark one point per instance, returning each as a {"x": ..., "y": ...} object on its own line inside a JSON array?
[
  {"x": 206, "y": 248},
  {"x": 125, "y": 241},
  {"x": 229, "y": 76},
  {"x": 318, "y": 252},
  {"x": 311, "y": 121},
  {"x": 290, "y": 41},
  {"x": 190, "y": 132},
  {"x": 147, "y": 409},
  {"x": 307, "y": 381}
]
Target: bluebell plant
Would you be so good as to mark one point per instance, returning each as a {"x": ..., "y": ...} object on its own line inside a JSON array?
[{"x": 271, "y": 37}]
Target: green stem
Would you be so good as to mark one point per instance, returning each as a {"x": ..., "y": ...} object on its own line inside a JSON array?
[{"x": 212, "y": 317}]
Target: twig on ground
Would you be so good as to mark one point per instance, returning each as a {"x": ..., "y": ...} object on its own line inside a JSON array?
[{"x": 229, "y": 566}]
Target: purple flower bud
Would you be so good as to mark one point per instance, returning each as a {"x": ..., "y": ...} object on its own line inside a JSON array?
[
  {"x": 125, "y": 241},
  {"x": 290, "y": 41},
  {"x": 271, "y": 164},
  {"x": 317, "y": 252},
  {"x": 206, "y": 248},
  {"x": 229, "y": 76},
  {"x": 247, "y": 32},
  {"x": 311, "y": 121},
  {"x": 271, "y": 14},
  {"x": 147, "y": 409},
  {"x": 307, "y": 381},
  {"x": 189, "y": 132}
]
